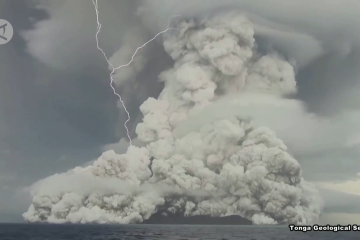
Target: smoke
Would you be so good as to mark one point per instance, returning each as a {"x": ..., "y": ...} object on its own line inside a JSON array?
[
  {"x": 193, "y": 158},
  {"x": 133, "y": 38},
  {"x": 321, "y": 44}
]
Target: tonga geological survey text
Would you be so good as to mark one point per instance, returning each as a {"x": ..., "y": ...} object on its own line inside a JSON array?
[{"x": 331, "y": 228}]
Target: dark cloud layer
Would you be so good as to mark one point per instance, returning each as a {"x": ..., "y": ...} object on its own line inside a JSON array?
[{"x": 50, "y": 119}]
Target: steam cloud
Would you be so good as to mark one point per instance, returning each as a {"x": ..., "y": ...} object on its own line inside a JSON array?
[{"x": 228, "y": 166}]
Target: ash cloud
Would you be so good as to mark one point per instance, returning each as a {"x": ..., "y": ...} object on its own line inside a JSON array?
[{"x": 231, "y": 165}]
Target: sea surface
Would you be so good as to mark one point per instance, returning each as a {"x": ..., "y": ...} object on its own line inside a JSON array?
[{"x": 161, "y": 232}]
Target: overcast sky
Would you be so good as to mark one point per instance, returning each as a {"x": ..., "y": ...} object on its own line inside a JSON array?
[
  {"x": 49, "y": 122},
  {"x": 57, "y": 110}
]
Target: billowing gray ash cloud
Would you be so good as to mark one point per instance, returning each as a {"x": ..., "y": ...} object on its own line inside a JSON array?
[{"x": 210, "y": 155}]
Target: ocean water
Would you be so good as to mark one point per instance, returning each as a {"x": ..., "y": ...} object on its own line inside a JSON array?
[{"x": 161, "y": 232}]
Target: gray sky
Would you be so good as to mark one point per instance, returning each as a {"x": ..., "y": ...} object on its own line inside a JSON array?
[
  {"x": 57, "y": 110},
  {"x": 48, "y": 121}
]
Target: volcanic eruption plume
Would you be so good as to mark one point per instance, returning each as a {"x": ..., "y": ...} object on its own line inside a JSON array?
[{"x": 230, "y": 165}]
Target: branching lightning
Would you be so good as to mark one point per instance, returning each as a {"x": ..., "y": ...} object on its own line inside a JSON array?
[{"x": 95, "y": 2}]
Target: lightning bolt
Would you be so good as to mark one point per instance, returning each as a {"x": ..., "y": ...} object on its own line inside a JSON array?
[{"x": 113, "y": 69}]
